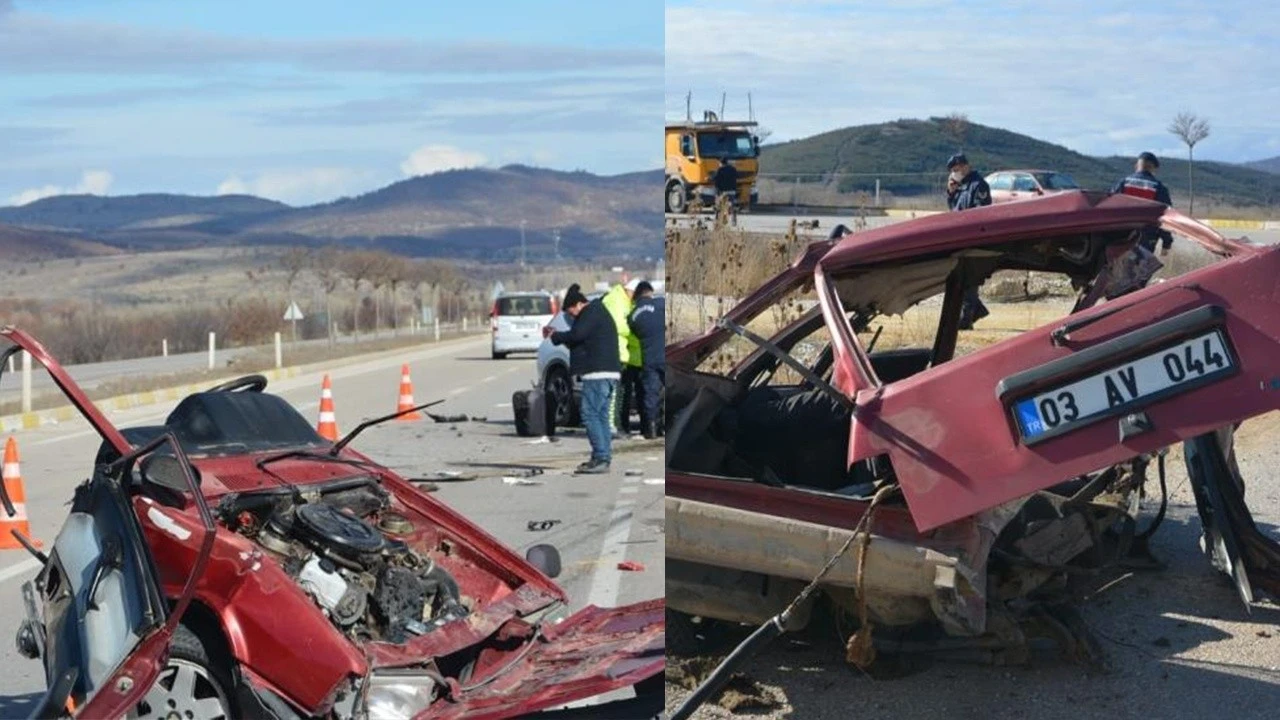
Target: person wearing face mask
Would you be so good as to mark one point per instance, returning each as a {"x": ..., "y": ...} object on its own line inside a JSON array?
[{"x": 965, "y": 190}]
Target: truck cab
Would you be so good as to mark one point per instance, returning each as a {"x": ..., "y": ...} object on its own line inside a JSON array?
[{"x": 695, "y": 150}]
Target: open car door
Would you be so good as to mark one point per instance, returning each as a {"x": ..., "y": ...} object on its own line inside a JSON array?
[{"x": 95, "y": 613}]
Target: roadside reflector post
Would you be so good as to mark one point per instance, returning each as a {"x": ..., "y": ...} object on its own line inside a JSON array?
[
  {"x": 877, "y": 192},
  {"x": 212, "y": 345},
  {"x": 437, "y": 324},
  {"x": 464, "y": 323},
  {"x": 164, "y": 347},
  {"x": 279, "y": 353},
  {"x": 26, "y": 381}
]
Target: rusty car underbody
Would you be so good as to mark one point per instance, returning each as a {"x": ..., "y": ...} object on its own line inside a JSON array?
[{"x": 1004, "y": 472}]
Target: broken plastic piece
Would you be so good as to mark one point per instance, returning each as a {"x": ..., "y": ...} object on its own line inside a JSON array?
[
  {"x": 540, "y": 525},
  {"x": 631, "y": 565}
]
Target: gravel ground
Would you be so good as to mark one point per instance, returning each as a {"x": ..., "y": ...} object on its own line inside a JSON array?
[{"x": 1178, "y": 641}]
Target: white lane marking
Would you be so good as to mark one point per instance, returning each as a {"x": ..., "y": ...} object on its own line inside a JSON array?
[
  {"x": 629, "y": 489},
  {"x": 21, "y": 568},
  {"x": 503, "y": 405},
  {"x": 607, "y": 578},
  {"x": 491, "y": 378},
  {"x": 459, "y": 391}
]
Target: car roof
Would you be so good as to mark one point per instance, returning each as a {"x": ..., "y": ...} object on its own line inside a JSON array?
[{"x": 1074, "y": 211}]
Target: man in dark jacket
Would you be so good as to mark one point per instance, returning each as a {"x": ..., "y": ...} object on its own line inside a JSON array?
[
  {"x": 1143, "y": 183},
  {"x": 649, "y": 323},
  {"x": 726, "y": 178},
  {"x": 965, "y": 190},
  {"x": 594, "y": 359}
]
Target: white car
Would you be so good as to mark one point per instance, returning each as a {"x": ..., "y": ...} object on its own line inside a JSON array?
[{"x": 517, "y": 320}]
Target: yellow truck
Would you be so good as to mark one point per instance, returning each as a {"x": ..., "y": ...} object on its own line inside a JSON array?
[{"x": 695, "y": 151}]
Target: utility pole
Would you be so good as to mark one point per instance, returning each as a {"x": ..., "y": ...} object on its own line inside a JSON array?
[
  {"x": 521, "y": 245},
  {"x": 555, "y": 241}
]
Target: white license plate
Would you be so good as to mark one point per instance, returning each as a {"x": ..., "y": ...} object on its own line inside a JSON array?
[{"x": 1166, "y": 372}]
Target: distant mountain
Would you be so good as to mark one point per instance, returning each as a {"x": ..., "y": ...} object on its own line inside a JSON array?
[
  {"x": 474, "y": 214},
  {"x": 922, "y": 146},
  {"x": 1271, "y": 165},
  {"x": 97, "y": 213},
  {"x": 19, "y": 244}
]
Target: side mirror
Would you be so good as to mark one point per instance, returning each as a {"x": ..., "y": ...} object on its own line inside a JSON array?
[
  {"x": 546, "y": 558},
  {"x": 162, "y": 478}
]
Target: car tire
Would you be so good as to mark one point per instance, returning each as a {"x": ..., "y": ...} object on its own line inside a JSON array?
[
  {"x": 676, "y": 201},
  {"x": 557, "y": 383},
  {"x": 190, "y": 681},
  {"x": 520, "y": 408},
  {"x": 499, "y": 356}
]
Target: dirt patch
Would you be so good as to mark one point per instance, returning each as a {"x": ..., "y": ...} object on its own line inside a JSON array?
[{"x": 741, "y": 694}]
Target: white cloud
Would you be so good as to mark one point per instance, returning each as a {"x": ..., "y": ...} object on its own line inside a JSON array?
[
  {"x": 303, "y": 185},
  {"x": 92, "y": 182},
  {"x": 437, "y": 158}
]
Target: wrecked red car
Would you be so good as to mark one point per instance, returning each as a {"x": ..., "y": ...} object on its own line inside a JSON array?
[
  {"x": 1002, "y": 471},
  {"x": 232, "y": 563}
]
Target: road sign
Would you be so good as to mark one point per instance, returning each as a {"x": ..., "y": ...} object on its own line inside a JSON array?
[{"x": 293, "y": 313}]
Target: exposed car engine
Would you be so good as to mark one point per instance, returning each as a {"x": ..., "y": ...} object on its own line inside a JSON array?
[{"x": 343, "y": 548}]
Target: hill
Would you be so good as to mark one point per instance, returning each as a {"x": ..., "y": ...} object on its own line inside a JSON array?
[
  {"x": 18, "y": 244},
  {"x": 98, "y": 213},
  {"x": 1271, "y": 165},
  {"x": 908, "y": 156},
  {"x": 471, "y": 214}
]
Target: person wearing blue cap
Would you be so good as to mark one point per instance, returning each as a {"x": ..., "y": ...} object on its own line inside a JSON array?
[
  {"x": 1143, "y": 183},
  {"x": 966, "y": 189}
]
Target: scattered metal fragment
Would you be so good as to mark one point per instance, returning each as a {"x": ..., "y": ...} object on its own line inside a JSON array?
[
  {"x": 508, "y": 480},
  {"x": 541, "y": 525}
]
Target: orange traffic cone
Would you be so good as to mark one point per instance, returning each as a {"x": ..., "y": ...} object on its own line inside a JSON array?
[
  {"x": 18, "y": 496},
  {"x": 406, "y": 396},
  {"x": 328, "y": 427}
]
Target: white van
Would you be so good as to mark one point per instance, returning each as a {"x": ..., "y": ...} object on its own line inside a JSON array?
[{"x": 517, "y": 320}]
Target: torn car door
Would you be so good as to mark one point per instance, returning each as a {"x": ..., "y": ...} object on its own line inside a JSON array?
[
  {"x": 104, "y": 629},
  {"x": 1141, "y": 372}
]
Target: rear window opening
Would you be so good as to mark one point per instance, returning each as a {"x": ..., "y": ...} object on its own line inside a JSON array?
[{"x": 523, "y": 305}]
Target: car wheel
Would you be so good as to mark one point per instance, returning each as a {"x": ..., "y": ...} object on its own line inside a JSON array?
[
  {"x": 190, "y": 685},
  {"x": 676, "y": 201},
  {"x": 560, "y": 387},
  {"x": 499, "y": 356},
  {"x": 520, "y": 407}
]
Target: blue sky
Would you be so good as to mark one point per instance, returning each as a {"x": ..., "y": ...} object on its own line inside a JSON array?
[
  {"x": 307, "y": 100},
  {"x": 1101, "y": 78}
]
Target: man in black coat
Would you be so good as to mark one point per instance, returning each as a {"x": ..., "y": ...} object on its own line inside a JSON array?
[
  {"x": 649, "y": 323},
  {"x": 594, "y": 359},
  {"x": 966, "y": 190}
]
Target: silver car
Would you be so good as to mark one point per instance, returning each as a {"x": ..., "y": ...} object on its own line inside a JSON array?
[{"x": 517, "y": 320}]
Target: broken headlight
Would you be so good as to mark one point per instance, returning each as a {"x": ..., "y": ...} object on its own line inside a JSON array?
[{"x": 400, "y": 695}]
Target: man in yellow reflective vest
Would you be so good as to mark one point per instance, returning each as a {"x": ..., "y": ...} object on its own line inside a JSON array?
[{"x": 618, "y": 301}]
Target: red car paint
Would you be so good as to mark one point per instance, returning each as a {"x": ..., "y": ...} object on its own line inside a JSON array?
[
  {"x": 954, "y": 451},
  {"x": 281, "y": 641}
]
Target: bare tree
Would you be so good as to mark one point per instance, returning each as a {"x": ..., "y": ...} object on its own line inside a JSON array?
[
  {"x": 397, "y": 272},
  {"x": 325, "y": 266},
  {"x": 357, "y": 266},
  {"x": 956, "y": 126},
  {"x": 295, "y": 261},
  {"x": 1191, "y": 129}
]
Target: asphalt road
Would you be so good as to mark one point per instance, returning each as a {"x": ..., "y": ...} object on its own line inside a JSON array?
[
  {"x": 604, "y": 519},
  {"x": 90, "y": 375}
]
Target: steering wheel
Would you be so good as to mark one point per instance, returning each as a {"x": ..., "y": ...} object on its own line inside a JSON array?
[{"x": 253, "y": 383}]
